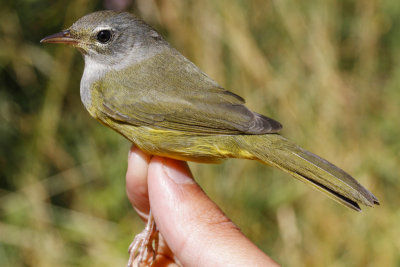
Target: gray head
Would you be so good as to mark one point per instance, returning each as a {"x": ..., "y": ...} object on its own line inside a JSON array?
[
  {"x": 109, "y": 37},
  {"x": 109, "y": 41}
]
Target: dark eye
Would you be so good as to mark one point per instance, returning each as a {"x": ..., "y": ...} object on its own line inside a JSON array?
[{"x": 104, "y": 36}]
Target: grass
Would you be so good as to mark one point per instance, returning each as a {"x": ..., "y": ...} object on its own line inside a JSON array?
[{"x": 328, "y": 71}]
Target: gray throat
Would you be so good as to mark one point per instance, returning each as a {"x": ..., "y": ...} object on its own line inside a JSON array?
[
  {"x": 94, "y": 70},
  {"x": 92, "y": 73}
]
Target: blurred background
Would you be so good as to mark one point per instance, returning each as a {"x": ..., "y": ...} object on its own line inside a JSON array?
[{"x": 329, "y": 71}]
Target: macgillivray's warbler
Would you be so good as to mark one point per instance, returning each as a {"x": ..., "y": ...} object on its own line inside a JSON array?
[{"x": 137, "y": 84}]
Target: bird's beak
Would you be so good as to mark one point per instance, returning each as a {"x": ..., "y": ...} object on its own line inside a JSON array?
[{"x": 63, "y": 37}]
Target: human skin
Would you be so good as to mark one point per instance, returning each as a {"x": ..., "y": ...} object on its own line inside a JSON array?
[{"x": 197, "y": 232}]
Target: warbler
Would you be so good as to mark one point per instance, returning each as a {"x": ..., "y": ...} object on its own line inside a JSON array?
[{"x": 137, "y": 84}]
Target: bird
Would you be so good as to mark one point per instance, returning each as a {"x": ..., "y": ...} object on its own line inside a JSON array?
[{"x": 136, "y": 83}]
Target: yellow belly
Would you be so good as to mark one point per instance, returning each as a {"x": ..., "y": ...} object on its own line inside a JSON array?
[{"x": 182, "y": 146}]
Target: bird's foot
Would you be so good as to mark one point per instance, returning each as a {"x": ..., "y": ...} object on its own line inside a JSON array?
[{"x": 142, "y": 250}]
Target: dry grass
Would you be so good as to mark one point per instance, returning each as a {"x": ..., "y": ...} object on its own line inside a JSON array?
[{"x": 329, "y": 71}]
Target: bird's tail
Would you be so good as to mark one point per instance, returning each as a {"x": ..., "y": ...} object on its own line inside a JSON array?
[{"x": 275, "y": 150}]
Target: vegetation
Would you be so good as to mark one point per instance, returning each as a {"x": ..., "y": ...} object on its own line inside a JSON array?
[{"x": 329, "y": 71}]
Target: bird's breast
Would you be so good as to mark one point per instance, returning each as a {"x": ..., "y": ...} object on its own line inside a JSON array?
[{"x": 92, "y": 73}]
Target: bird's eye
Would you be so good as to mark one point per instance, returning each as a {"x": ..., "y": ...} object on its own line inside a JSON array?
[{"x": 104, "y": 36}]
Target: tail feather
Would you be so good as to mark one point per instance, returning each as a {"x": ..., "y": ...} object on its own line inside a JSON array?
[{"x": 310, "y": 168}]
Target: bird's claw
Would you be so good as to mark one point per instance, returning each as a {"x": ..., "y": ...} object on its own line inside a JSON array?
[{"x": 142, "y": 249}]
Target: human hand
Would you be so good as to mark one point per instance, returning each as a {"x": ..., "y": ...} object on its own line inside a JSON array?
[{"x": 193, "y": 230}]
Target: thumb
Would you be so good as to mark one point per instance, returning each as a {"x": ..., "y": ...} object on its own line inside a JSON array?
[{"x": 195, "y": 229}]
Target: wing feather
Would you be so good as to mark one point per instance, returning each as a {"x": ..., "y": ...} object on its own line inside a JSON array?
[{"x": 170, "y": 92}]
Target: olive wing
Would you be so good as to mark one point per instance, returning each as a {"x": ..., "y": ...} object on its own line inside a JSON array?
[{"x": 168, "y": 91}]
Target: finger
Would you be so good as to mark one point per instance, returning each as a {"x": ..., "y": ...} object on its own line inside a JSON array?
[
  {"x": 136, "y": 181},
  {"x": 136, "y": 188},
  {"x": 195, "y": 229}
]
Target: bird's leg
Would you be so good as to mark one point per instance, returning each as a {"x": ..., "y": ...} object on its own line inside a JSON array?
[{"x": 142, "y": 244}]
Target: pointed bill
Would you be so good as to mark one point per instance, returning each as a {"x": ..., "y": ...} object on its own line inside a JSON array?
[{"x": 63, "y": 37}]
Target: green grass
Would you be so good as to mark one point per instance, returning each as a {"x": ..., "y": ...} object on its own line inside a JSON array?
[{"x": 328, "y": 71}]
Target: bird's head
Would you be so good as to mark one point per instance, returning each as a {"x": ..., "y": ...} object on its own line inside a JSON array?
[{"x": 109, "y": 37}]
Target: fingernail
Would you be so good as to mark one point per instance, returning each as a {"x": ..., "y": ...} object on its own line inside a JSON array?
[
  {"x": 179, "y": 174},
  {"x": 130, "y": 151}
]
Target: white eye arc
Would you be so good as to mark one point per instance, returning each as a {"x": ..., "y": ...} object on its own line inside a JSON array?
[{"x": 104, "y": 36}]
